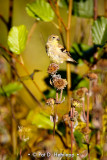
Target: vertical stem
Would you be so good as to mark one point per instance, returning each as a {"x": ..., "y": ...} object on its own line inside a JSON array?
[
  {"x": 87, "y": 110},
  {"x": 69, "y": 68},
  {"x": 68, "y": 48},
  {"x": 56, "y": 96},
  {"x": 10, "y": 14},
  {"x": 105, "y": 6},
  {"x": 83, "y": 110},
  {"x": 95, "y": 9},
  {"x": 71, "y": 132},
  {"x": 14, "y": 124},
  {"x": 59, "y": 23},
  {"x": 61, "y": 95}
]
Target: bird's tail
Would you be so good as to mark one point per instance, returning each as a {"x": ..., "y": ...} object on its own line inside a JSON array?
[{"x": 71, "y": 60}]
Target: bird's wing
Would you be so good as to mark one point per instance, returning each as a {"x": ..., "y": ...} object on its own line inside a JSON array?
[
  {"x": 47, "y": 48},
  {"x": 61, "y": 48}
]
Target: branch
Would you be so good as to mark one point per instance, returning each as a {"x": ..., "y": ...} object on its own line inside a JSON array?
[
  {"x": 31, "y": 31},
  {"x": 60, "y": 136},
  {"x": 10, "y": 14},
  {"x": 61, "y": 20},
  {"x": 95, "y": 9},
  {"x": 3, "y": 19},
  {"x": 105, "y": 6}
]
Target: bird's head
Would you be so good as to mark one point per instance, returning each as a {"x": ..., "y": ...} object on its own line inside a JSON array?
[{"x": 53, "y": 39}]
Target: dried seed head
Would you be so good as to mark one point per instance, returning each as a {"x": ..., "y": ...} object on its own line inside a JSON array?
[
  {"x": 92, "y": 76},
  {"x": 82, "y": 91},
  {"x": 97, "y": 89},
  {"x": 66, "y": 117},
  {"x": 102, "y": 64},
  {"x": 76, "y": 114},
  {"x": 75, "y": 103},
  {"x": 53, "y": 67},
  {"x": 59, "y": 83},
  {"x": 50, "y": 101},
  {"x": 86, "y": 130}
]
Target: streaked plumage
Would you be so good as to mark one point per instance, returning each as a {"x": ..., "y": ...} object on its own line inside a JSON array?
[{"x": 56, "y": 51}]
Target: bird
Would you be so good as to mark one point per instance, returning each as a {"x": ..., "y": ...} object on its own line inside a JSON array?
[{"x": 57, "y": 53}]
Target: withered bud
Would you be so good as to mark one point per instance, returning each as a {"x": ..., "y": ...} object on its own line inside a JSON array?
[
  {"x": 82, "y": 91},
  {"x": 102, "y": 64},
  {"x": 50, "y": 101},
  {"x": 97, "y": 89},
  {"x": 59, "y": 83},
  {"x": 86, "y": 130},
  {"x": 75, "y": 103},
  {"x": 53, "y": 68},
  {"x": 66, "y": 117},
  {"x": 91, "y": 76}
]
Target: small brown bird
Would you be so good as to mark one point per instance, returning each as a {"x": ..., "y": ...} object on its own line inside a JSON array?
[{"x": 56, "y": 51}]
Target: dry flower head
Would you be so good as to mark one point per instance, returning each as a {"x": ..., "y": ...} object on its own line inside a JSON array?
[
  {"x": 82, "y": 91},
  {"x": 92, "y": 76},
  {"x": 50, "y": 101},
  {"x": 59, "y": 83},
  {"x": 53, "y": 68},
  {"x": 75, "y": 103}
]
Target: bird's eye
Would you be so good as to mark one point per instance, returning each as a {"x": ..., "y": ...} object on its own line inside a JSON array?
[{"x": 53, "y": 37}]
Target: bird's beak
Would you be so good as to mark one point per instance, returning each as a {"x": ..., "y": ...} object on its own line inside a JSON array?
[{"x": 58, "y": 39}]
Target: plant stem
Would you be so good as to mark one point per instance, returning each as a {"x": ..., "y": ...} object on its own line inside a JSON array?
[
  {"x": 61, "y": 20},
  {"x": 3, "y": 20},
  {"x": 68, "y": 48},
  {"x": 88, "y": 111},
  {"x": 31, "y": 31},
  {"x": 95, "y": 9},
  {"x": 61, "y": 95},
  {"x": 105, "y": 6},
  {"x": 56, "y": 96},
  {"x": 59, "y": 23},
  {"x": 83, "y": 110},
  {"x": 71, "y": 132}
]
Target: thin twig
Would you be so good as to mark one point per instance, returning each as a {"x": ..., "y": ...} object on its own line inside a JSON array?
[
  {"x": 105, "y": 7},
  {"x": 61, "y": 137},
  {"x": 83, "y": 110},
  {"x": 61, "y": 95},
  {"x": 10, "y": 14},
  {"x": 95, "y": 9},
  {"x": 72, "y": 131},
  {"x": 59, "y": 23},
  {"x": 31, "y": 31},
  {"x": 88, "y": 111},
  {"x": 3, "y": 19},
  {"x": 57, "y": 14}
]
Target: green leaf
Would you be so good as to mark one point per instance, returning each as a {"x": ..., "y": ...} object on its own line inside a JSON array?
[
  {"x": 83, "y": 8},
  {"x": 17, "y": 39},
  {"x": 40, "y": 10},
  {"x": 10, "y": 88},
  {"x": 99, "y": 31},
  {"x": 79, "y": 138},
  {"x": 41, "y": 120}
]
